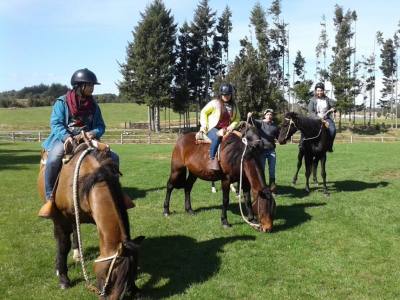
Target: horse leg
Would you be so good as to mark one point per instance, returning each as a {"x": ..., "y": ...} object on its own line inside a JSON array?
[
  {"x": 75, "y": 246},
  {"x": 225, "y": 202},
  {"x": 188, "y": 188},
  {"x": 323, "y": 174},
  {"x": 314, "y": 171},
  {"x": 247, "y": 203},
  {"x": 308, "y": 163},
  {"x": 62, "y": 232},
  {"x": 213, "y": 188},
  {"x": 299, "y": 161},
  {"x": 176, "y": 180}
]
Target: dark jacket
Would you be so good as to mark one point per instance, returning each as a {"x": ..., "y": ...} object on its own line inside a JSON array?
[
  {"x": 312, "y": 107},
  {"x": 269, "y": 132}
]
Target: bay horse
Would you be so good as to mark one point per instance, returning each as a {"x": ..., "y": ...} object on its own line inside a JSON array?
[
  {"x": 101, "y": 203},
  {"x": 315, "y": 144},
  {"x": 189, "y": 157}
]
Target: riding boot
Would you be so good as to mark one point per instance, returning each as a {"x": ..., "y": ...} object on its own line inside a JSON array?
[
  {"x": 128, "y": 201},
  {"x": 213, "y": 164},
  {"x": 272, "y": 185},
  {"x": 47, "y": 210}
]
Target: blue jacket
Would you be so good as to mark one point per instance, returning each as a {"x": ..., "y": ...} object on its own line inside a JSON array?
[{"x": 59, "y": 123}]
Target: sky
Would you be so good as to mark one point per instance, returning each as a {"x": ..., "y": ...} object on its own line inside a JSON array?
[{"x": 45, "y": 41}]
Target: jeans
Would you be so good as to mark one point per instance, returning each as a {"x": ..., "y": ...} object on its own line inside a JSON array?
[
  {"x": 53, "y": 166},
  {"x": 270, "y": 155},
  {"x": 215, "y": 141},
  {"x": 331, "y": 129}
]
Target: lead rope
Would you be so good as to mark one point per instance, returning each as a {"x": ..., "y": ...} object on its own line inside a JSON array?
[
  {"x": 254, "y": 225},
  {"x": 76, "y": 210}
]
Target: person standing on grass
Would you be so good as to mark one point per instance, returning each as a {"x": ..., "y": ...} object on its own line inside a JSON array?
[
  {"x": 72, "y": 113},
  {"x": 269, "y": 133}
]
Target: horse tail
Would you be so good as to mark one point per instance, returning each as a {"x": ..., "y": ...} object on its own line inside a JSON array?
[{"x": 107, "y": 172}]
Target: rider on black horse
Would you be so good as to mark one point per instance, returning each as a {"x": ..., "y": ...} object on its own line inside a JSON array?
[{"x": 322, "y": 107}]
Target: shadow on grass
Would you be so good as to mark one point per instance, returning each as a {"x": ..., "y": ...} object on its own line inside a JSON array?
[
  {"x": 140, "y": 194},
  {"x": 357, "y": 186},
  {"x": 175, "y": 263},
  {"x": 12, "y": 159},
  {"x": 293, "y": 215}
]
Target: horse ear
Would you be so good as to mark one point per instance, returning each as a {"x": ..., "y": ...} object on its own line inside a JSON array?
[
  {"x": 265, "y": 193},
  {"x": 241, "y": 125}
]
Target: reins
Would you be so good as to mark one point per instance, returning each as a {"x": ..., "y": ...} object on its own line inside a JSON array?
[
  {"x": 114, "y": 257},
  {"x": 254, "y": 225},
  {"x": 304, "y": 139}
]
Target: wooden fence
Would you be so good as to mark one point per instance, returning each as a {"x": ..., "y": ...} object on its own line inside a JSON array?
[{"x": 144, "y": 137}]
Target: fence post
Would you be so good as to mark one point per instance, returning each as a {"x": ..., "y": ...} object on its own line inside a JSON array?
[
  {"x": 122, "y": 139},
  {"x": 40, "y": 136},
  {"x": 351, "y": 139},
  {"x": 149, "y": 138},
  {"x": 13, "y": 136},
  {"x": 382, "y": 139}
]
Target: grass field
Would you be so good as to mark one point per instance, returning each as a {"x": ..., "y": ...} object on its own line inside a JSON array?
[
  {"x": 114, "y": 114},
  {"x": 346, "y": 246}
]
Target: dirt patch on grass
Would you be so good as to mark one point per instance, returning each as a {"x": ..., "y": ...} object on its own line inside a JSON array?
[{"x": 388, "y": 174}]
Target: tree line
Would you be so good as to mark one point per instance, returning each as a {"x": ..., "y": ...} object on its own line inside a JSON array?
[
  {"x": 43, "y": 95},
  {"x": 181, "y": 68}
]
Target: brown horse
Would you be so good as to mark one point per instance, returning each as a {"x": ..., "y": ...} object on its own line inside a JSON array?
[
  {"x": 187, "y": 155},
  {"x": 101, "y": 203}
]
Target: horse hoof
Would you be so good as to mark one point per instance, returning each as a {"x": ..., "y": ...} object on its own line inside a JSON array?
[
  {"x": 213, "y": 190},
  {"x": 227, "y": 225},
  {"x": 190, "y": 212},
  {"x": 166, "y": 214},
  {"x": 327, "y": 194},
  {"x": 65, "y": 285}
]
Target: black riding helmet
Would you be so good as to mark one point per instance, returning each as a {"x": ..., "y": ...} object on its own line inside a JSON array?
[
  {"x": 226, "y": 89},
  {"x": 83, "y": 76},
  {"x": 320, "y": 85}
]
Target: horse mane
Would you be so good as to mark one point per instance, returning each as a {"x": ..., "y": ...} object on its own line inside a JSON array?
[
  {"x": 234, "y": 149},
  {"x": 107, "y": 172},
  {"x": 310, "y": 125}
]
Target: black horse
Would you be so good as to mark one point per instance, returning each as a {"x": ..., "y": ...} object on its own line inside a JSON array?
[{"x": 315, "y": 144}]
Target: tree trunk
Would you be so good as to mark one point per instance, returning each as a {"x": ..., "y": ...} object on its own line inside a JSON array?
[
  {"x": 157, "y": 118},
  {"x": 149, "y": 117}
]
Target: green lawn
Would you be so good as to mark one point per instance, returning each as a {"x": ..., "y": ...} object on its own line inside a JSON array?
[
  {"x": 114, "y": 114},
  {"x": 346, "y": 246}
]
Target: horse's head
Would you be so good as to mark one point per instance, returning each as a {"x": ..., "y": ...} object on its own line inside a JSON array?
[
  {"x": 288, "y": 127},
  {"x": 250, "y": 134},
  {"x": 265, "y": 207},
  {"x": 115, "y": 277}
]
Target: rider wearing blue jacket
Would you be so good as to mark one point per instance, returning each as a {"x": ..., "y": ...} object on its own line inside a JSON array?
[{"x": 72, "y": 113}]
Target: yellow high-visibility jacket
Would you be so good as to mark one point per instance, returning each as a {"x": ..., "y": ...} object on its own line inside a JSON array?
[{"x": 211, "y": 113}]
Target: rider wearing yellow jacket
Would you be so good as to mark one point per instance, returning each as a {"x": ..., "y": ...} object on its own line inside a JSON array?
[{"x": 218, "y": 117}]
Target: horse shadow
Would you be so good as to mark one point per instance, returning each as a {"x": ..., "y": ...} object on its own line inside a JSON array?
[
  {"x": 174, "y": 263},
  {"x": 356, "y": 185},
  {"x": 293, "y": 192},
  {"x": 140, "y": 194},
  {"x": 293, "y": 215}
]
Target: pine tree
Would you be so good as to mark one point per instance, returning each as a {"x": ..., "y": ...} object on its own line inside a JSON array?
[
  {"x": 148, "y": 71},
  {"x": 202, "y": 32},
  {"x": 340, "y": 75},
  {"x": 321, "y": 50},
  {"x": 301, "y": 87},
  {"x": 388, "y": 67}
]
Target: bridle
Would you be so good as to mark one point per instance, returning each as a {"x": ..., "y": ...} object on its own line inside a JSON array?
[{"x": 291, "y": 122}]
